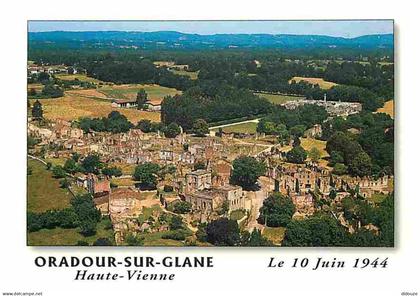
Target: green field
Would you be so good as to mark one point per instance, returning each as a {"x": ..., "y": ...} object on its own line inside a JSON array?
[
  {"x": 44, "y": 192},
  {"x": 67, "y": 237},
  {"x": 129, "y": 91},
  {"x": 278, "y": 99},
  {"x": 246, "y": 128},
  {"x": 81, "y": 77},
  {"x": 192, "y": 75}
]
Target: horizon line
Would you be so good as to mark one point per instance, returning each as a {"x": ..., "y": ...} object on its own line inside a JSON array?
[{"x": 186, "y": 33}]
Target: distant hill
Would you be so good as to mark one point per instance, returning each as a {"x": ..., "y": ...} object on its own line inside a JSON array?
[{"x": 177, "y": 40}]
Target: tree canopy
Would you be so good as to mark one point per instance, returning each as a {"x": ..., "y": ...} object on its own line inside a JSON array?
[{"x": 246, "y": 171}]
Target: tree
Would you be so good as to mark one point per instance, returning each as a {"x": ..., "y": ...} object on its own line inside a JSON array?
[
  {"x": 65, "y": 183},
  {"x": 58, "y": 172},
  {"x": 277, "y": 210},
  {"x": 92, "y": 164},
  {"x": 316, "y": 231},
  {"x": 176, "y": 223},
  {"x": 141, "y": 98},
  {"x": 172, "y": 130},
  {"x": 145, "y": 125},
  {"x": 102, "y": 241},
  {"x": 87, "y": 213},
  {"x": 112, "y": 171},
  {"x": 223, "y": 232},
  {"x": 297, "y": 130},
  {"x": 314, "y": 154},
  {"x": 182, "y": 207},
  {"x": 224, "y": 208},
  {"x": 361, "y": 165},
  {"x": 296, "y": 155},
  {"x": 255, "y": 239},
  {"x": 283, "y": 134},
  {"x": 340, "y": 169},
  {"x": 70, "y": 166},
  {"x": 296, "y": 141},
  {"x": 146, "y": 174},
  {"x": 134, "y": 240},
  {"x": 37, "y": 112},
  {"x": 52, "y": 91},
  {"x": 335, "y": 157},
  {"x": 200, "y": 128},
  {"x": 246, "y": 171},
  {"x": 117, "y": 123}
]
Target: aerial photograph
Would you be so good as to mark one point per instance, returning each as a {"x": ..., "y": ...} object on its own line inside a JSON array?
[{"x": 210, "y": 133}]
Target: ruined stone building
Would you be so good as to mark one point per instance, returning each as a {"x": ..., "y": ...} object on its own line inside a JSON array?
[
  {"x": 367, "y": 186},
  {"x": 209, "y": 200},
  {"x": 197, "y": 181},
  {"x": 295, "y": 180},
  {"x": 98, "y": 186}
]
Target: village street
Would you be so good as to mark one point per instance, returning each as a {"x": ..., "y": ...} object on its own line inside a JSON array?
[{"x": 257, "y": 199}]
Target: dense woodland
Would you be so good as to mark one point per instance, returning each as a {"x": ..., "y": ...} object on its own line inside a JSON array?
[{"x": 369, "y": 81}]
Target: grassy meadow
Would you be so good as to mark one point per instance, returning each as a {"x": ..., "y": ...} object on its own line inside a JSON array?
[
  {"x": 44, "y": 192},
  {"x": 67, "y": 237},
  {"x": 81, "y": 77},
  {"x": 129, "y": 91},
  {"x": 248, "y": 127}
]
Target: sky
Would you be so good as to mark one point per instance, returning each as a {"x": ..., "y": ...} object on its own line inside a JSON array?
[{"x": 347, "y": 29}]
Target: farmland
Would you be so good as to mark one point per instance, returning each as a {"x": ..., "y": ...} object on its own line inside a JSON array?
[
  {"x": 44, "y": 192},
  {"x": 277, "y": 98},
  {"x": 320, "y": 81},
  {"x": 72, "y": 107}
]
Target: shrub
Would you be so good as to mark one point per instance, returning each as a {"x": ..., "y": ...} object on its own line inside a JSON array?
[
  {"x": 182, "y": 207},
  {"x": 179, "y": 235},
  {"x": 168, "y": 188}
]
